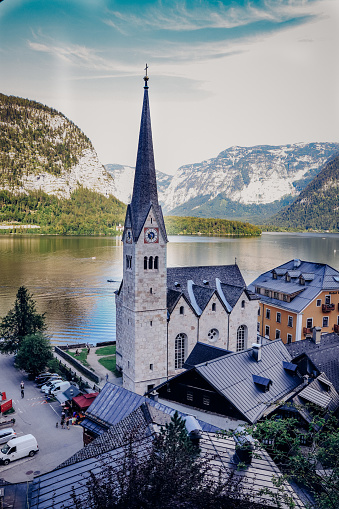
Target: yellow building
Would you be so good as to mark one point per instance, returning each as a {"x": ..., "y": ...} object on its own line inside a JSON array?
[{"x": 295, "y": 298}]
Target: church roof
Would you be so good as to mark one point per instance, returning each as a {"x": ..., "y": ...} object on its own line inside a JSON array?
[
  {"x": 198, "y": 284},
  {"x": 145, "y": 194},
  {"x": 204, "y": 353}
]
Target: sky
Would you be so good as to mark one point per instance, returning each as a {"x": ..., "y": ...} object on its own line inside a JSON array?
[{"x": 221, "y": 73}]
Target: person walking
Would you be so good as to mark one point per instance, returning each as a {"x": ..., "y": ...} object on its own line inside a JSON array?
[
  {"x": 62, "y": 422},
  {"x": 67, "y": 422},
  {"x": 22, "y": 387}
]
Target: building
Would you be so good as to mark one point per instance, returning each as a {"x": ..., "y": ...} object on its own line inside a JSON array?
[
  {"x": 297, "y": 297},
  {"x": 240, "y": 386},
  {"x": 161, "y": 313}
]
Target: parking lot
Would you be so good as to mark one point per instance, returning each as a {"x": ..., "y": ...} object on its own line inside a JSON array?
[{"x": 36, "y": 416}]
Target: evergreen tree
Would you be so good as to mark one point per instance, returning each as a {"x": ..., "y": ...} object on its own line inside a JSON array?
[
  {"x": 35, "y": 351},
  {"x": 20, "y": 321}
]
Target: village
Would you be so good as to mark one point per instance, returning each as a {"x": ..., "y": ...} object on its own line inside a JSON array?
[{"x": 194, "y": 344}]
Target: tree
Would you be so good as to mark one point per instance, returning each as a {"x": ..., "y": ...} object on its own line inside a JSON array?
[
  {"x": 20, "y": 321},
  {"x": 35, "y": 351},
  {"x": 164, "y": 472},
  {"x": 309, "y": 456}
]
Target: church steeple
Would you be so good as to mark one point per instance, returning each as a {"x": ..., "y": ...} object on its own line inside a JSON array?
[{"x": 145, "y": 192}]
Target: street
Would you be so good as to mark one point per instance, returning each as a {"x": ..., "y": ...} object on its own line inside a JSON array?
[{"x": 34, "y": 415}]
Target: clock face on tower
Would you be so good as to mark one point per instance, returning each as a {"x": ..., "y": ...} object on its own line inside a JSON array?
[
  {"x": 151, "y": 235},
  {"x": 129, "y": 236}
]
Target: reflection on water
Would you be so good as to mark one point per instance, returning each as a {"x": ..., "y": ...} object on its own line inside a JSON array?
[{"x": 68, "y": 275}]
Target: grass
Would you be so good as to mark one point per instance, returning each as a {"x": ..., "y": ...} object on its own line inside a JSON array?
[
  {"x": 108, "y": 363},
  {"x": 81, "y": 357},
  {"x": 106, "y": 350}
]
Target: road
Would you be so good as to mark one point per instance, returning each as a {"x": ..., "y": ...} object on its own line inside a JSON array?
[{"x": 34, "y": 415}]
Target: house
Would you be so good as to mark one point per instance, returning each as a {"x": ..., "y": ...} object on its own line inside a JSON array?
[
  {"x": 240, "y": 386},
  {"x": 161, "y": 312},
  {"x": 55, "y": 488},
  {"x": 296, "y": 297},
  {"x": 314, "y": 356}
]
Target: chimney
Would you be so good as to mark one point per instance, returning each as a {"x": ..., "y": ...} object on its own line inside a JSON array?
[
  {"x": 154, "y": 395},
  {"x": 296, "y": 263},
  {"x": 244, "y": 446},
  {"x": 316, "y": 335},
  {"x": 193, "y": 429},
  {"x": 256, "y": 351}
]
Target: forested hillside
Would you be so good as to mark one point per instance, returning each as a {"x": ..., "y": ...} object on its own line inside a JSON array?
[
  {"x": 196, "y": 226},
  {"x": 85, "y": 213},
  {"x": 317, "y": 207}
]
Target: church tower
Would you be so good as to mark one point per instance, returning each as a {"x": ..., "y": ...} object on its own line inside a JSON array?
[{"x": 141, "y": 302}]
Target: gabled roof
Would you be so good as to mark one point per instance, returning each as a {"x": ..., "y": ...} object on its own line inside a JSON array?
[
  {"x": 324, "y": 356},
  {"x": 115, "y": 403},
  {"x": 317, "y": 276},
  {"x": 55, "y": 488},
  {"x": 204, "y": 353},
  {"x": 85, "y": 400},
  {"x": 232, "y": 293}
]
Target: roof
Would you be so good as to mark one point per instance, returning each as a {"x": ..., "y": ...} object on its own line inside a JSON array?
[
  {"x": 203, "y": 353},
  {"x": 199, "y": 284},
  {"x": 145, "y": 192},
  {"x": 85, "y": 400},
  {"x": 55, "y": 488},
  {"x": 114, "y": 403},
  {"x": 317, "y": 276},
  {"x": 324, "y": 355}
]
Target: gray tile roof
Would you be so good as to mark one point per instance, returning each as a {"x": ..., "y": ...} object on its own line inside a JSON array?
[
  {"x": 232, "y": 377},
  {"x": 319, "y": 277},
  {"x": 55, "y": 488},
  {"x": 172, "y": 298},
  {"x": 324, "y": 356},
  {"x": 114, "y": 403},
  {"x": 204, "y": 279},
  {"x": 203, "y": 353}
]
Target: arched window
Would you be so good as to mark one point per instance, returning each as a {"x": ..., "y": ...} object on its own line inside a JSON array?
[
  {"x": 242, "y": 303},
  {"x": 150, "y": 262},
  {"x": 241, "y": 333},
  {"x": 145, "y": 262},
  {"x": 181, "y": 310},
  {"x": 214, "y": 306},
  {"x": 179, "y": 352},
  {"x": 156, "y": 262}
]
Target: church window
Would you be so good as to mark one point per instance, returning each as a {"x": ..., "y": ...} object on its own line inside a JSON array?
[
  {"x": 151, "y": 220},
  {"x": 151, "y": 367},
  {"x": 128, "y": 261},
  {"x": 151, "y": 323},
  {"x": 214, "y": 306},
  {"x": 180, "y": 346},
  {"x": 150, "y": 262},
  {"x": 213, "y": 335},
  {"x": 182, "y": 309},
  {"x": 241, "y": 333},
  {"x": 156, "y": 263},
  {"x": 151, "y": 290},
  {"x": 242, "y": 303},
  {"x": 145, "y": 262}
]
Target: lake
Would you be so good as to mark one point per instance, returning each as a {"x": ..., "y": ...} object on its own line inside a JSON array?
[{"x": 68, "y": 275}]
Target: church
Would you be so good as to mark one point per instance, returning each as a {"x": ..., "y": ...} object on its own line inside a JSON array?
[{"x": 163, "y": 312}]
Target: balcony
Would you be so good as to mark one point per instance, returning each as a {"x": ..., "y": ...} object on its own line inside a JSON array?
[
  {"x": 336, "y": 328},
  {"x": 327, "y": 307},
  {"x": 307, "y": 330}
]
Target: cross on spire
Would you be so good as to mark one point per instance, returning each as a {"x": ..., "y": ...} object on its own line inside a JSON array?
[{"x": 146, "y": 78}]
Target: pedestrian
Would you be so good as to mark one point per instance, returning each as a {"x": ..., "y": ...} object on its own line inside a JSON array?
[
  {"x": 67, "y": 423},
  {"x": 22, "y": 393},
  {"x": 62, "y": 422},
  {"x": 106, "y": 377},
  {"x": 22, "y": 385},
  {"x": 57, "y": 424}
]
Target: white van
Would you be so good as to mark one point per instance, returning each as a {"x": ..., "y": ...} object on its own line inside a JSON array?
[
  {"x": 46, "y": 387},
  {"x": 18, "y": 448},
  {"x": 62, "y": 386}
]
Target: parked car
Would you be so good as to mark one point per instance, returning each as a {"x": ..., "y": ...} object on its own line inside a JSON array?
[
  {"x": 6, "y": 434},
  {"x": 42, "y": 380},
  {"x": 61, "y": 387},
  {"x": 18, "y": 448},
  {"x": 45, "y": 388}
]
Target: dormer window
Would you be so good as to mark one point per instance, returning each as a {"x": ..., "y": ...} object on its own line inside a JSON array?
[
  {"x": 288, "y": 278},
  {"x": 274, "y": 275},
  {"x": 176, "y": 284},
  {"x": 205, "y": 282},
  {"x": 302, "y": 280},
  {"x": 261, "y": 382}
]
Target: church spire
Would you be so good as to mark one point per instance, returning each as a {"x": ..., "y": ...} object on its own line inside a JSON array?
[{"x": 145, "y": 192}]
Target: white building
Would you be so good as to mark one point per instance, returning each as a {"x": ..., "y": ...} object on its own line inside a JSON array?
[{"x": 163, "y": 312}]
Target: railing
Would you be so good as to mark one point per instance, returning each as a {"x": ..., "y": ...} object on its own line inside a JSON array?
[{"x": 328, "y": 307}]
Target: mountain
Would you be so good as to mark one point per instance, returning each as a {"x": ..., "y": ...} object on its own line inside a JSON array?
[
  {"x": 124, "y": 177},
  {"x": 246, "y": 182},
  {"x": 317, "y": 206},
  {"x": 40, "y": 149}
]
